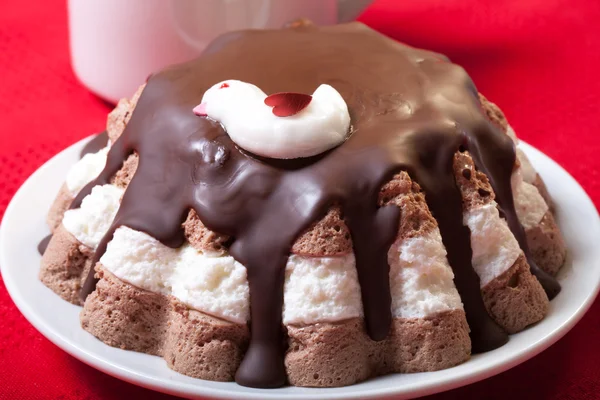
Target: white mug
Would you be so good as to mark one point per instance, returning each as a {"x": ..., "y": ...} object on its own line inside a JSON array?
[{"x": 116, "y": 44}]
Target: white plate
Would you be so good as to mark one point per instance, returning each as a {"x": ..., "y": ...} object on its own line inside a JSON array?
[{"x": 23, "y": 227}]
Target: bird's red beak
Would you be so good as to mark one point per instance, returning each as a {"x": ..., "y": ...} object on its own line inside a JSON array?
[{"x": 200, "y": 110}]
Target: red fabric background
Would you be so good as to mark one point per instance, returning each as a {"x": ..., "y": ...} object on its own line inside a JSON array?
[{"x": 538, "y": 59}]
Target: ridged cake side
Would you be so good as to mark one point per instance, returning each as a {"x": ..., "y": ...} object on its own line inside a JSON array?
[{"x": 324, "y": 353}]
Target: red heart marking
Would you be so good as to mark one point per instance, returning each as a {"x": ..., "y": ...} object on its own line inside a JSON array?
[{"x": 286, "y": 104}]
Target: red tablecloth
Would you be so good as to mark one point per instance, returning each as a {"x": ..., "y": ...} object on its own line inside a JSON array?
[{"x": 538, "y": 59}]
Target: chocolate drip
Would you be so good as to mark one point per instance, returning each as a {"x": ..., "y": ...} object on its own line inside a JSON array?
[
  {"x": 43, "y": 245},
  {"x": 445, "y": 203},
  {"x": 496, "y": 164},
  {"x": 411, "y": 110},
  {"x": 95, "y": 145}
]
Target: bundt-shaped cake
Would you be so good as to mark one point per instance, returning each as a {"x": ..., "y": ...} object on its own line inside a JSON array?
[{"x": 383, "y": 224}]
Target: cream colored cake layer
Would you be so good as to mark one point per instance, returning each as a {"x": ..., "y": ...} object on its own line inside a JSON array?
[
  {"x": 85, "y": 170},
  {"x": 495, "y": 249},
  {"x": 317, "y": 289},
  {"x": 90, "y": 222},
  {"x": 421, "y": 280},
  {"x": 529, "y": 203},
  {"x": 216, "y": 285}
]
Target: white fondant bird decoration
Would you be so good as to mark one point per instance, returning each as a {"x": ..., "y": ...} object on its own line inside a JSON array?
[{"x": 283, "y": 125}]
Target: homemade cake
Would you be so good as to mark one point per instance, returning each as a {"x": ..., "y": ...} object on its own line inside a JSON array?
[{"x": 312, "y": 206}]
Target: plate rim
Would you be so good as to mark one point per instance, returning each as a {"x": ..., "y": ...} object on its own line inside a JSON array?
[{"x": 181, "y": 389}]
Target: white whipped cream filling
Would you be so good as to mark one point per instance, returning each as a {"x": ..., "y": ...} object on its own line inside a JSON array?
[
  {"x": 495, "y": 249},
  {"x": 421, "y": 280},
  {"x": 316, "y": 289},
  {"x": 214, "y": 285},
  {"x": 251, "y": 124},
  {"x": 91, "y": 221},
  {"x": 529, "y": 173},
  {"x": 320, "y": 289},
  {"x": 529, "y": 203},
  {"x": 85, "y": 170},
  {"x": 527, "y": 170}
]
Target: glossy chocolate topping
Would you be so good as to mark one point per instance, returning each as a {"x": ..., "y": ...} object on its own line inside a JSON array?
[
  {"x": 95, "y": 145},
  {"x": 411, "y": 110},
  {"x": 43, "y": 244}
]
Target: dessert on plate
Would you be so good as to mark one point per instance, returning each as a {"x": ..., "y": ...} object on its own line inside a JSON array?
[{"x": 311, "y": 206}]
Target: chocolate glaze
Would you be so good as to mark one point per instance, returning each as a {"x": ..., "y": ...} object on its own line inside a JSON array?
[
  {"x": 494, "y": 163},
  {"x": 411, "y": 110},
  {"x": 95, "y": 145},
  {"x": 43, "y": 244}
]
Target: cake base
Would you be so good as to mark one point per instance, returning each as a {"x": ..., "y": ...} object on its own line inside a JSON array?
[
  {"x": 547, "y": 245},
  {"x": 61, "y": 204},
  {"x": 320, "y": 355},
  {"x": 65, "y": 265},
  {"x": 192, "y": 343},
  {"x": 340, "y": 354},
  {"x": 516, "y": 299}
]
